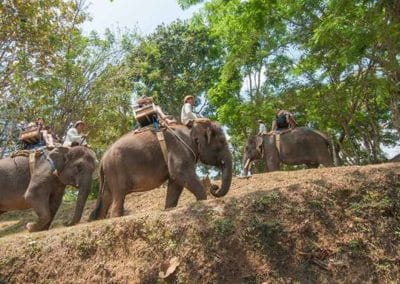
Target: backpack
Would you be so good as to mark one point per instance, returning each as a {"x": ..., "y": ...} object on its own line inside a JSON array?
[{"x": 281, "y": 121}]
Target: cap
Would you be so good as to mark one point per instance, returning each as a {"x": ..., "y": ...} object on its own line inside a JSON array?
[
  {"x": 78, "y": 122},
  {"x": 187, "y": 97}
]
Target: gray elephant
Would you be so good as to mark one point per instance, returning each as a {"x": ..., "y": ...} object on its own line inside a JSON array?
[
  {"x": 298, "y": 146},
  {"x": 136, "y": 163},
  {"x": 44, "y": 188}
]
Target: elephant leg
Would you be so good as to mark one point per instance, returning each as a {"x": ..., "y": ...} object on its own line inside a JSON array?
[
  {"x": 174, "y": 190},
  {"x": 189, "y": 180},
  {"x": 40, "y": 204},
  {"x": 272, "y": 166},
  {"x": 104, "y": 206},
  {"x": 55, "y": 202},
  {"x": 326, "y": 161},
  {"x": 117, "y": 209}
]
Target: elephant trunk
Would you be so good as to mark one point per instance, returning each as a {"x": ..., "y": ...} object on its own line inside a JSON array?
[
  {"x": 95, "y": 213},
  {"x": 226, "y": 168},
  {"x": 246, "y": 165},
  {"x": 84, "y": 190}
]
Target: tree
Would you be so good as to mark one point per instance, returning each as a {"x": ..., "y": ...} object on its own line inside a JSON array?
[
  {"x": 176, "y": 60},
  {"x": 333, "y": 63}
]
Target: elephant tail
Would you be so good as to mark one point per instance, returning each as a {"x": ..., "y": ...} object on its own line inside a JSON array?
[{"x": 95, "y": 213}]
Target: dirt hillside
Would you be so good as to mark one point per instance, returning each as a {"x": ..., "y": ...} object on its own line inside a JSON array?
[{"x": 322, "y": 225}]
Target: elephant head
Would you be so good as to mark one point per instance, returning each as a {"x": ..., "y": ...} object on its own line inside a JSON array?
[
  {"x": 253, "y": 150},
  {"x": 212, "y": 149},
  {"x": 75, "y": 167}
]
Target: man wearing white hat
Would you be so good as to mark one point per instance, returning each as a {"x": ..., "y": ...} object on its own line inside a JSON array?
[
  {"x": 187, "y": 115},
  {"x": 75, "y": 136}
]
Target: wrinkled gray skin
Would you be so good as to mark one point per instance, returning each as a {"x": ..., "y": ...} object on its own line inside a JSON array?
[
  {"x": 43, "y": 191},
  {"x": 135, "y": 163},
  {"x": 300, "y": 146}
]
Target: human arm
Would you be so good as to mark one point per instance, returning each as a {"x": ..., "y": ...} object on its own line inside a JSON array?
[
  {"x": 189, "y": 112},
  {"x": 74, "y": 136}
]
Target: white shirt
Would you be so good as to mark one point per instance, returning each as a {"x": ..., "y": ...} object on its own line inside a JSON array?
[
  {"x": 262, "y": 129},
  {"x": 72, "y": 136},
  {"x": 187, "y": 114}
]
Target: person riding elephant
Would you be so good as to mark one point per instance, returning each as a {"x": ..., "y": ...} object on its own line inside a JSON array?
[
  {"x": 187, "y": 115},
  {"x": 75, "y": 135},
  {"x": 42, "y": 138},
  {"x": 283, "y": 120},
  {"x": 302, "y": 145},
  {"x": 262, "y": 129},
  {"x": 39, "y": 182},
  {"x": 136, "y": 162}
]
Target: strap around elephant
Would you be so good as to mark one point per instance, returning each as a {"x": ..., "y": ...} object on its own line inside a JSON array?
[
  {"x": 32, "y": 158},
  {"x": 183, "y": 142},
  {"x": 52, "y": 165},
  {"x": 163, "y": 145}
]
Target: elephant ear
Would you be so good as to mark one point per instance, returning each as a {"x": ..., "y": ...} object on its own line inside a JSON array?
[
  {"x": 60, "y": 154},
  {"x": 201, "y": 128}
]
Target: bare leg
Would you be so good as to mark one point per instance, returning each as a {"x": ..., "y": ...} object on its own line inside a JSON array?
[
  {"x": 174, "y": 190},
  {"x": 48, "y": 139}
]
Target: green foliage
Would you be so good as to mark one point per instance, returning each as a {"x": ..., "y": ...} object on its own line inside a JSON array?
[
  {"x": 176, "y": 60},
  {"x": 265, "y": 202},
  {"x": 267, "y": 235},
  {"x": 223, "y": 227},
  {"x": 332, "y": 63}
]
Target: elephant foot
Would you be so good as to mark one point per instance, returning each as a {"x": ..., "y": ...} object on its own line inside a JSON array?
[{"x": 33, "y": 227}]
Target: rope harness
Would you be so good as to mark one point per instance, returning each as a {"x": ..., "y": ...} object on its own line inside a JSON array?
[
  {"x": 163, "y": 144},
  {"x": 183, "y": 142},
  {"x": 32, "y": 155}
]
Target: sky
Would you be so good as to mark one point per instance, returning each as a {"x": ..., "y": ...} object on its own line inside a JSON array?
[{"x": 145, "y": 15}]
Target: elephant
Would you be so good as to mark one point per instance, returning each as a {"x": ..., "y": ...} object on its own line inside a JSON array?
[
  {"x": 136, "y": 163},
  {"x": 297, "y": 146},
  {"x": 41, "y": 186}
]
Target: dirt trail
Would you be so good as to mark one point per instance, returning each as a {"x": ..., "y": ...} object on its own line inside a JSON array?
[{"x": 321, "y": 225}]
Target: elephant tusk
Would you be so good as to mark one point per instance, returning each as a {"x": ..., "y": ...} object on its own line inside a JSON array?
[{"x": 247, "y": 163}]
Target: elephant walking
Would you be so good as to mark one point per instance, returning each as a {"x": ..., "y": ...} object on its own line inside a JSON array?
[
  {"x": 301, "y": 145},
  {"x": 44, "y": 188},
  {"x": 136, "y": 163}
]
